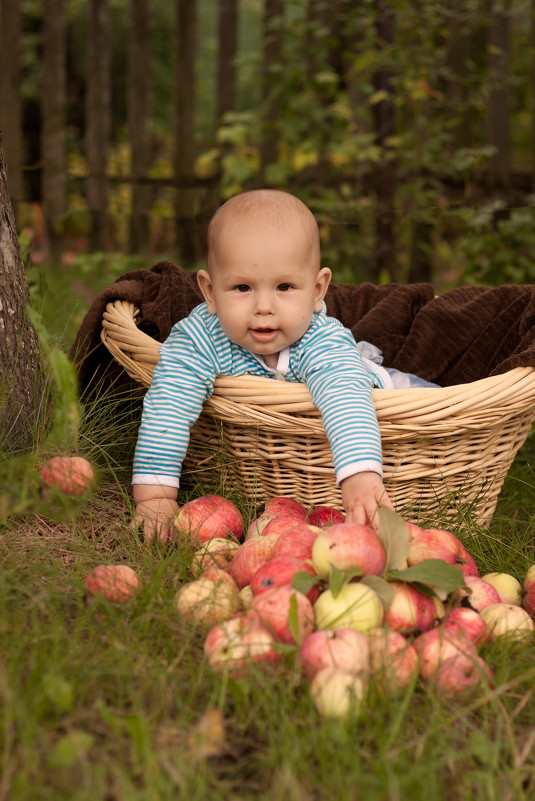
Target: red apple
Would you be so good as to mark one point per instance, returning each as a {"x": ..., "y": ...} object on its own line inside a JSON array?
[
  {"x": 413, "y": 530},
  {"x": 528, "y": 601},
  {"x": 459, "y": 672},
  {"x": 436, "y": 645},
  {"x": 433, "y": 543},
  {"x": 466, "y": 563},
  {"x": 217, "y": 574},
  {"x": 468, "y": 622},
  {"x": 279, "y": 571},
  {"x": 73, "y": 475},
  {"x": 207, "y": 517},
  {"x": 348, "y": 545},
  {"x": 297, "y": 541},
  {"x": 393, "y": 660},
  {"x": 477, "y": 594},
  {"x": 410, "y": 610},
  {"x": 281, "y": 505},
  {"x": 344, "y": 648},
  {"x": 248, "y": 558},
  {"x": 274, "y": 609},
  {"x": 323, "y": 516},
  {"x": 237, "y": 643},
  {"x": 114, "y": 582}
]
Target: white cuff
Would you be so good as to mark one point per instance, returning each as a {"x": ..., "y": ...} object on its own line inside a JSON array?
[
  {"x": 153, "y": 478},
  {"x": 359, "y": 467}
]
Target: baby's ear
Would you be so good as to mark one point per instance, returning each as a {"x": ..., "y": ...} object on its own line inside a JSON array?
[
  {"x": 323, "y": 279},
  {"x": 205, "y": 285}
]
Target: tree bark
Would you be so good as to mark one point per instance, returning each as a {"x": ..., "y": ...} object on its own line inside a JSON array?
[
  {"x": 98, "y": 120},
  {"x": 21, "y": 384},
  {"x": 139, "y": 122},
  {"x": 10, "y": 97},
  {"x": 226, "y": 57},
  {"x": 53, "y": 143},
  {"x": 184, "y": 127},
  {"x": 498, "y": 108},
  {"x": 272, "y": 57}
]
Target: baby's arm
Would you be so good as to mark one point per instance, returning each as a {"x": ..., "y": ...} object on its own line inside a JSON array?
[
  {"x": 361, "y": 493},
  {"x": 156, "y": 508}
]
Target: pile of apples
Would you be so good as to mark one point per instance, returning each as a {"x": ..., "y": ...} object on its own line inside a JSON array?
[{"x": 355, "y": 606}]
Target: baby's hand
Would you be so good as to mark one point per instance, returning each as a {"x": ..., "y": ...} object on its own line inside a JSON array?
[
  {"x": 155, "y": 517},
  {"x": 361, "y": 493}
]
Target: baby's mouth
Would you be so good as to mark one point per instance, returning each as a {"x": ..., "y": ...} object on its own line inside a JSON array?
[{"x": 263, "y": 334}]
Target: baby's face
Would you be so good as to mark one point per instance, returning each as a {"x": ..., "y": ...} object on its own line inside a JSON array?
[{"x": 264, "y": 289}]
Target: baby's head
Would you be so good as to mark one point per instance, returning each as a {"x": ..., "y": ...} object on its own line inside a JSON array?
[{"x": 264, "y": 279}]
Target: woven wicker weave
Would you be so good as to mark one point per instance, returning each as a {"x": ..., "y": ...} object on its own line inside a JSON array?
[{"x": 445, "y": 450}]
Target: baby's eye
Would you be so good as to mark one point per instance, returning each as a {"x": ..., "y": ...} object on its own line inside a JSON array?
[
  {"x": 242, "y": 288},
  {"x": 284, "y": 287}
]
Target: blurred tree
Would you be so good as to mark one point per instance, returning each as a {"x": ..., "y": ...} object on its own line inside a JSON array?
[
  {"x": 98, "y": 120},
  {"x": 498, "y": 104},
  {"x": 139, "y": 122},
  {"x": 53, "y": 134},
  {"x": 272, "y": 67},
  {"x": 226, "y": 57},
  {"x": 184, "y": 130},
  {"x": 10, "y": 96},
  {"x": 21, "y": 384}
]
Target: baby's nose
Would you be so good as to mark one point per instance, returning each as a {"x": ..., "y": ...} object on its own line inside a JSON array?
[{"x": 264, "y": 303}]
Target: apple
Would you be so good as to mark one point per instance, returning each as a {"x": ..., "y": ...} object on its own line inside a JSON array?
[
  {"x": 297, "y": 542},
  {"x": 410, "y": 610},
  {"x": 246, "y": 596},
  {"x": 466, "y": 563},
  {"x": 248, "y": 558},
  {"x": 323, "y": 516},
  {"x": 274, "y": 610},
  {"x": 436, "y": 645},
  {"x": 344, "y": 648},
  {"x": 528, "y": 601},
  {"x": 413, "y": 529},
  {"x": 218, "y": 574},
  {"x": 433, "y": 543},
  {"x": 235, "y": 644},
  {"x": 348, "y": 545},
  {"x": 279, "y": 571},
  {"x": 114, "y": 582},
  {"x": 468, "y": 621},
  {"x": 280, "y": 505},
  {"x": 209, "y": 516},
  {"x": 338, "y": 693},
  {"x": 459, "y": 672},
  {"x": 257, "y": 526},
  {"x": 356, "y": 606},
  {"x": 285, "y": 525},
  {"x": 508, "y": 620},
  {"x": 477, "y": 594},
  {"x": 508, "y": 587},
  {"x": 217, "y": 552},
  {"x": 73, "y": 475},
  {"x": 393, "y": 660},
  {"x": 207, "y": 601}
]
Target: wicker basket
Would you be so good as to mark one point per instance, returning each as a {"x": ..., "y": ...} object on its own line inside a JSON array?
[{"x": 445, "y": 451}]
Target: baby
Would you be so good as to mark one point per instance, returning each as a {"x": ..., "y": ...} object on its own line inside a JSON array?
[{"x": 264, "y": 314}]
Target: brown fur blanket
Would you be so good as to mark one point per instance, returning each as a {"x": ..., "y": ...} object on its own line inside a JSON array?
[{"x": 463, "y": 335}]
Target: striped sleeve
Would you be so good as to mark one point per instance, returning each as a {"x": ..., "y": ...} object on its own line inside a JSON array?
[
  {"x": 341, "y": 388},
  {"x": 182, "y": 381}
]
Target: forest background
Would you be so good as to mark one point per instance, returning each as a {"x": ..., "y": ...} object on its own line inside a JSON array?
[{"x": 407, "y": 127}]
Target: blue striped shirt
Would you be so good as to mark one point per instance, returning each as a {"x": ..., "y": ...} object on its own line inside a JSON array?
[{"x": 197, "y": 350}]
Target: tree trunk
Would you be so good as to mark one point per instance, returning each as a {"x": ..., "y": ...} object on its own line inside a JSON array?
[
  {"x": 98, "y": 120},
  {"x": 10, "y": 97},
  {"x": 384, "y": 260},
  {"x": 498, "y": 108},
  {"x": 139, "y": 121},
  {"x": 272, "y": 57},
  {"x": 53, "y": 143},
  {"x": 21, "y": 385},
  {"x": 226, "y": 57},
  {"x": 533, "y": 93},
  {"x": 184, "y": 127}
]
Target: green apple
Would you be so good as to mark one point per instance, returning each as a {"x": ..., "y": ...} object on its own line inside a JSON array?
[
  {"x": 338, "y": 693},
  {"x": 356, "y": 606},
  {"x": 508, "y": 587}
]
